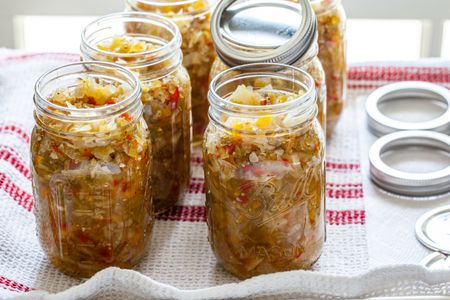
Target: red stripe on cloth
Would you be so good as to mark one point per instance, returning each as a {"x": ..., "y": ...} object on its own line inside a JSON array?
[
  {"x": 185, "y": 214},
  {"x": 198, "y": 214},
  {"x": 15, "y": 162},
  {"x": 342, "y": 166},
  {"x": 70, "y": 57},
  {"x": 11, "y": 149},
  {"x": 196, "y": 186},
  {"x": 390, "y": 73},
  {"x": 12, "y": 285},
  {"x": 345, "y": 193},
  {"x": 16, "y": 130},
  {"x": 23, "y": 198},
  {"x": 197, "y": 160},
  {"x": 346, "y": 217},
  {"x": 342, "y": 185}
]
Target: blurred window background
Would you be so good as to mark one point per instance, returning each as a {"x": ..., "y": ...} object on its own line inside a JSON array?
[{"x": 377, "y": 29}]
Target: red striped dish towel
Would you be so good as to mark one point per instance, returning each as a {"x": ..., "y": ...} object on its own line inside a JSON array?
[{"x": 180, "y": 255}]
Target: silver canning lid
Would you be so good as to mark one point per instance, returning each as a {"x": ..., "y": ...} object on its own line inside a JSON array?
[
  {"x": 436, "y": 261},
  {"x": 263, "y": 31},
  {"x": 381, "y": 124},
  {"x": 433, "y": 229},
  {"x": 408, "y": 183}
]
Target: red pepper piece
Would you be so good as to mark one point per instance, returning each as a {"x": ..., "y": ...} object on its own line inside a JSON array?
[
  {"x": 55, "y": 148},
  {"x": 116, "y": 182},
  {"x": 83, "y": 237},
  {"x": 229, "y": 148},
  {"x": 106, "y": 254},
  {"x": 254, "y": 169},
  {"x": 174, "y": 98},
  {"x": 127, "y": 117},
  {"x": 247, "y": 186},
  {"x": 91, "y": 101},
  {"x": 242, "y": 199},
  {"x": 110, "y": 102}
]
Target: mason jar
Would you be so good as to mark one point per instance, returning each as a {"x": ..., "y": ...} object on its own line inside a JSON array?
[
  {"x": 193, "y": 19},
  {"x": 332, "y": 53},
  {"x": 264, "y": 170},
  {"x": 149, "y": 45},
  {"x": 233, "y": 52},
  {"x": 90, "y": 163}
]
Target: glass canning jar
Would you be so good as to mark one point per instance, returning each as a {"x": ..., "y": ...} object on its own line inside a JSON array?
[
  {"x": 308, "y": 61},
  {"x": 332, "y": 53},
  {"x": 149, "y": 45},
  {"x": 193, "y": 19},
  {"x": 90, "y": 161},
  {"x": 264, "y": 170}
]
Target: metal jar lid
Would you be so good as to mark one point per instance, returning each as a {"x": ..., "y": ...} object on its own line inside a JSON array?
[
  {"x": 408, "y": 183},
  {"x": 263, "y": 31},
  {"x": 436, "y": 261},
  {"x": 433, "y": 229},
  {"x": 381, "y": 124}
]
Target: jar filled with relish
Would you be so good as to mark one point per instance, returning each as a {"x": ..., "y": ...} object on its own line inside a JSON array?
[
  {"x": 90, "y": 162},
  {"x": 264, "y": 170},
  {"x": 238, "y": 39},
  {"x": 149, "y": 45},
  {"x": 193, "y": 19},
  {"x": 332, "y": 53}
]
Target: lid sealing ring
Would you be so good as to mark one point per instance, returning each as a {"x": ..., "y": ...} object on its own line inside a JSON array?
[
  {"x": 381, "y": 124},
  {"x": 406, "y": 183}
]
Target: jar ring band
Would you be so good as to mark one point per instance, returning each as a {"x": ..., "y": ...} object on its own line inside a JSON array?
[
  {"x": 380, "y": 124},
  {"x": 406, "y": 183}
]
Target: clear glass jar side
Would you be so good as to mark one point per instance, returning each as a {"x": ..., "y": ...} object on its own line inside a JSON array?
[
  {"x": 167, "y": 111},
  {"x": 332, "y": 53},
  {"x": 265, "y": 191},
  {"x": 166, "y": 96},
  {"x": 90, "y": 180},
  {"x": 193, "y": 19}
]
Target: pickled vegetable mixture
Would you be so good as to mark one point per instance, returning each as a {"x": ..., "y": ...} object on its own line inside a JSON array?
[
  {"x": 332, "y": 26},
  {"x": 312, "y": 67},
  {"x": 193, "y": 19},
  {"x": 265, "y": 188},
  {"x": 167, "y": 112},
  {"x": 91, "y": 183}
]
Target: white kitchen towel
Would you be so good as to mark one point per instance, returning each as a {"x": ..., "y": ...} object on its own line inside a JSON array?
[{"x": 180, "y": 264}]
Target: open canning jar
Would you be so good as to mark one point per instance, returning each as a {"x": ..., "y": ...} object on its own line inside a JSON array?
[
  {"x": 332, "y": 53},
  {"x": 239, "y": 40},
  {"x": 90, "y": 159},
  {"x": 193, "y": 19},
  {"x": 264, "y": 170},
  {"x": 149, "y": 45}
]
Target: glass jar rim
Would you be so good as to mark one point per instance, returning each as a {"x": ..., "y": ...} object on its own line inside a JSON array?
[
  {"x": 132, "y": 101},
  {"x": 167, "y": 50},
  {"x": 302, "y": 103},
  {"x": 133, "y": 5}
]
